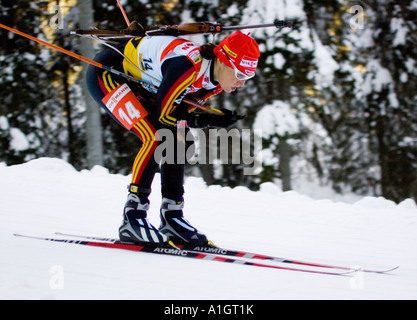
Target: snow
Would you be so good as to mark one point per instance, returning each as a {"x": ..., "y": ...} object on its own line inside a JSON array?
[
  {"x": 46, "y": 195},
  {"x": 378, "y": 77},
  {"x": 18, "y": 140},
  {"x": 399, "y": 28},
  {"x": 277, "y": 118},
  {"x": 324, "y": 61},
  {"x": 4, "y": 124}
]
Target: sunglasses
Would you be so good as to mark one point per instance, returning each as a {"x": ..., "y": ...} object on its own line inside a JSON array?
[{"x": 238, "y": 74}]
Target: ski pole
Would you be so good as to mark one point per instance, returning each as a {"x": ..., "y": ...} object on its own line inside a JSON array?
[
  {"x": 72, "y": 54},
  {"x": 98, "y": 65},
  {"x": 123, "y": 12}
]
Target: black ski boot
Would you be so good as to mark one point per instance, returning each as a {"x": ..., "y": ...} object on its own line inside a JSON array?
[
  {"x": 175, "y": 227},
  {"x": 136, "y": 226}
]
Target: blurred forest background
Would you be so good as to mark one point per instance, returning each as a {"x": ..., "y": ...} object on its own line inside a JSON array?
[{"x": 335, "y": 96}]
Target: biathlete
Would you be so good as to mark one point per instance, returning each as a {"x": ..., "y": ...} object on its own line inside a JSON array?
[{"x": 170, "y": 69}]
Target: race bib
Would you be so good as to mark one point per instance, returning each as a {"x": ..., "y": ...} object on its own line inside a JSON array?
[{"x": 124, "y": 105}]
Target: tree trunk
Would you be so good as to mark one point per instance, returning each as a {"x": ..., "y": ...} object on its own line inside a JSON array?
[
  {"x": 71, "y": 137},
  {"x": 284, "y": 150},
  {"x": 93, "y": 124}
]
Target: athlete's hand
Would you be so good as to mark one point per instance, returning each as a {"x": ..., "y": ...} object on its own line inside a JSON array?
[
  {"x": 228, "y": 119},
  {"x": 204, "y": 120}
]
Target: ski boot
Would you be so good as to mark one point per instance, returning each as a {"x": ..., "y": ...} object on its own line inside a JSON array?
[
  {"x": 175, "y": 227},
  {"x": 136, "y": 226}
]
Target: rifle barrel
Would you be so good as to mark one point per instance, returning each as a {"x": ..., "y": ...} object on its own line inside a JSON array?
[{"x": 277, "y": 24}]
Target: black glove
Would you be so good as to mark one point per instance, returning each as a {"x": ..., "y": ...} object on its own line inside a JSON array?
[{"x": 204, "y": 120}]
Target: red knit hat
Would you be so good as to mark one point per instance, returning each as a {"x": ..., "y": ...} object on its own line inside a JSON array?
[{"x": 242, "y": 50}]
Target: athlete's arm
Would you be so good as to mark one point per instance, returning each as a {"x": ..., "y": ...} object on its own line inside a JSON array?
[{"x": 178, "y": 74}]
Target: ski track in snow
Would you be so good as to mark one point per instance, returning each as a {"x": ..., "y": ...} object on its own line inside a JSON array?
[{"x": 47, "y": 195}]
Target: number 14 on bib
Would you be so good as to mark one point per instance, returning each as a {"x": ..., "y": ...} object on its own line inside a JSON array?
[{"x": 124, "y": 105}]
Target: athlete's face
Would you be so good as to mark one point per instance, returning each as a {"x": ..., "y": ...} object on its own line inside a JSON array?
[{"x": 226, "y": 77}]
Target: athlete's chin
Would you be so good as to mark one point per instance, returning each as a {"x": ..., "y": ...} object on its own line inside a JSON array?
[{"x": 230, "y": 90}]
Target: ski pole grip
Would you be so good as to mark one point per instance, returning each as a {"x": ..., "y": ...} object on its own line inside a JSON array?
[{"x": 282, "y": 24}]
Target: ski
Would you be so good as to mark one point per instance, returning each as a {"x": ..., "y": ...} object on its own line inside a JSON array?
[
  {"x": 239, "y": 254},
  {"x": 172, "y": 251}
]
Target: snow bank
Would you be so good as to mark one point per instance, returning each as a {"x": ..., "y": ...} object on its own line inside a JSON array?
[{"x": 48, "y": 195}]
